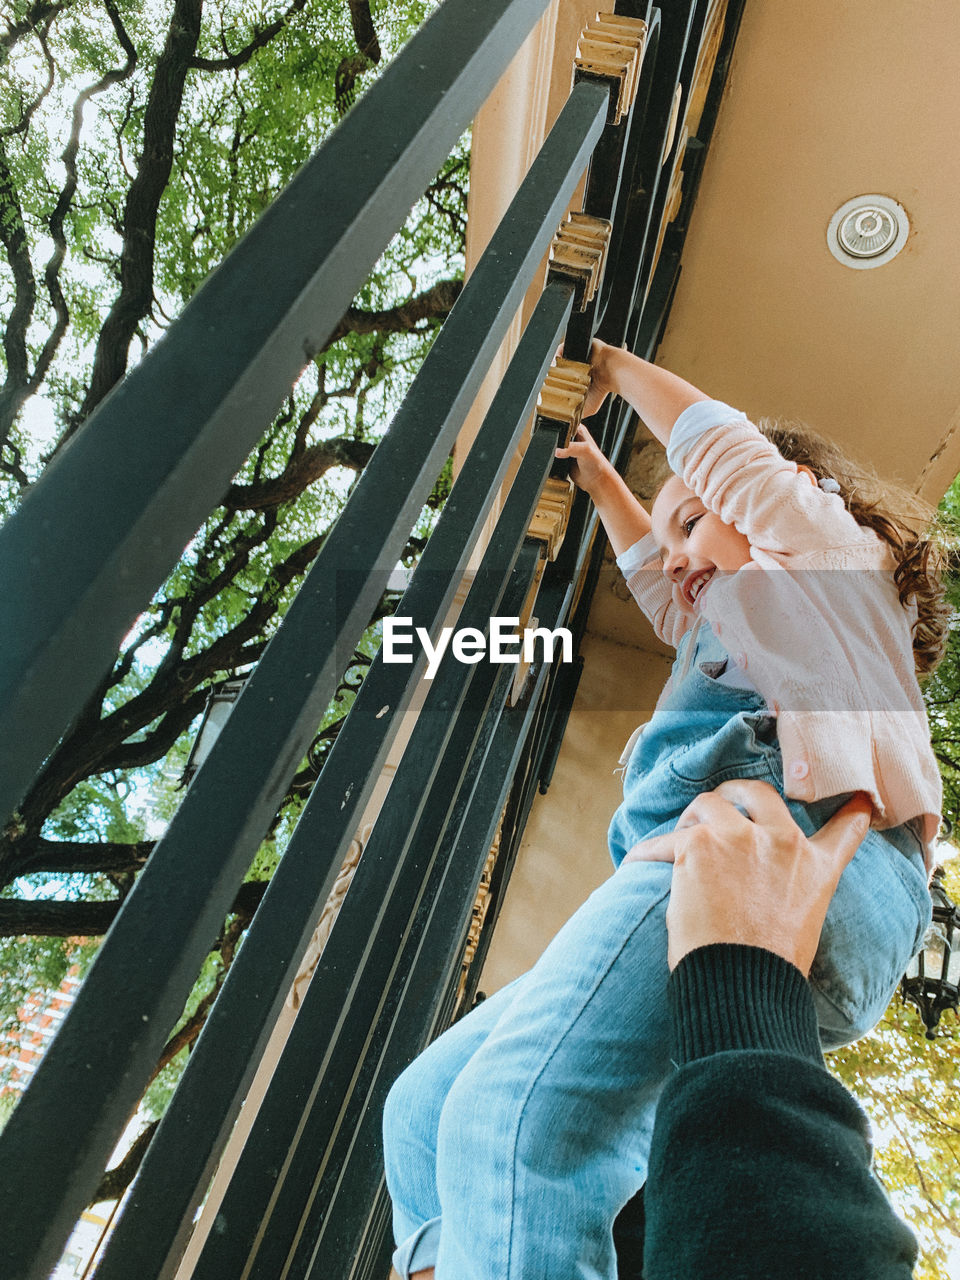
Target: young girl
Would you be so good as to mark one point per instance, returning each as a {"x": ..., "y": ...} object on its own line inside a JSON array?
[{"x": 514, "y": 1140}]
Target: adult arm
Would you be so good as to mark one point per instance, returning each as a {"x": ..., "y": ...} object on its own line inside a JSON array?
[{"x": 760, "y": 1163}]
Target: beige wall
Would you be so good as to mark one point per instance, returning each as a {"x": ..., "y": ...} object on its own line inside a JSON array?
[{"x": 824, "y": 102}]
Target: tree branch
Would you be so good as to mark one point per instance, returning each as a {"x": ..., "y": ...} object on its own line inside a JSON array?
[
  {"x": 433, "y": 304},
  {"x": 55, "y": 918},
  {"x": 206, "y": 585},
  {"x": 345, "y": 79},
  {"x": 263, "y": 37},
  {"x": 103, "y": 743},
  {"x": 28, "y": 112},
  {"x": 82, "y": 857},
  {"x": 37, "y": 15},
  {"x": 938, "y": 1121},
  {"x": 13, "y": 236},
  {"x": 49, "y": 918},
  {"x": 354, "y": 65},
  {"x": 51, "y": 273},
  {"x": 918, "y": 1169},
  {"x": 299, "y": 474},
  {"x": 116, "y": 1180},
  {"x": 134, "y": 300},
  {"x": 364, "y": 31}
]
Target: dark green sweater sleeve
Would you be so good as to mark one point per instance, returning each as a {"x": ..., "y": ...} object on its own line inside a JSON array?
[{"x": 760, "y": 1166}]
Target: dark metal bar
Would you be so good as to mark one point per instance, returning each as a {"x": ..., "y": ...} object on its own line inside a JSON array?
[
  {"x": 548, "y": 699},
  {"x": 373, "y": 1256},
  {"x": 637, "y": 178},
  {"x": 645, "y": 331},
  {"x": 62, "y": 1132},
  {"x": 332, "y": 1230},
  {"x": 79, "y": 561},
  {"x": 158, "y": 1217},
  {"x": 342, "y": 1002},
  {"x": 567, "y": 683},
  {"x": 303, "y": 1208},
  {"x": 672, "y": 40},
  {"x": 607, "y": 190},
  {"x": 656, "y": 308},
  {"x": 679, "y": 47}
]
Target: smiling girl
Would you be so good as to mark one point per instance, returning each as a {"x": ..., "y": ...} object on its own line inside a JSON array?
[
  {"x": 780, "y": 569},
  {"x": 800, "y": 598}
]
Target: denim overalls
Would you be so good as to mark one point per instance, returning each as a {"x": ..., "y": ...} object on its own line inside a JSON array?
[{"x": 525, "y": 1128}]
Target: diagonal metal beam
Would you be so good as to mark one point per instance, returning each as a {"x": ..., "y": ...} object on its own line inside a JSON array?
[
  {"x": 158, "y": 1214},
  {"x": 98, "y": 534},
  {"x": 67, "y": 1123}
]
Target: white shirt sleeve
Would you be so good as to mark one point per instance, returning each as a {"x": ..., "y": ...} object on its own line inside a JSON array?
[
  {"x": 635, "y": 557},
  {"x": 695, "y": 420}
]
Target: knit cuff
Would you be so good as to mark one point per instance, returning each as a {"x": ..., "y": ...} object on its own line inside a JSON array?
[{"x": 726, "y": 996}]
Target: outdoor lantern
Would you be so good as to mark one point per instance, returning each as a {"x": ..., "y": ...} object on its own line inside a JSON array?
[
  {"x": 932, "y": 980},
  {"x": 220, "y": 702}
]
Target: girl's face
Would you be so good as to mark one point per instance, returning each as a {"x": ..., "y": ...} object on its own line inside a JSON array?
[{"x": 694, "y": 543}]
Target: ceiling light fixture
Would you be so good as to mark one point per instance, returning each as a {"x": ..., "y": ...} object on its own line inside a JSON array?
[{"x": 868, "y": 231}]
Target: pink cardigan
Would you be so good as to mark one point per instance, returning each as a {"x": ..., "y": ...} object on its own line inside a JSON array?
[{"x": 826, "y": 643}]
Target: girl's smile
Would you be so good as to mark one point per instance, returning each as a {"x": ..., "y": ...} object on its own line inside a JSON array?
[{"x": 694, "y": 543}]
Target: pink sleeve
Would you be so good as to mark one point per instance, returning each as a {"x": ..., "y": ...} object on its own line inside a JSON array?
[
  {"x": 643, "y": 570},
  {"x": 739, "y": 474}
]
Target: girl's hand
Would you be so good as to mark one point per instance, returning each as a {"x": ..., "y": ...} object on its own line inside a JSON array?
[
  {"x": 590, "y": 468},
  {"x": 601, "y": 383}
]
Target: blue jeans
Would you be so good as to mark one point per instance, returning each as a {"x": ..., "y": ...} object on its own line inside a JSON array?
[{"x": 514, "y": 1140}]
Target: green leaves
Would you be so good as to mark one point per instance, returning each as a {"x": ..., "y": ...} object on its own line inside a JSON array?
[
  {"x": 942, "y": 690},
  {"x": 907, "y": 1084},
  {"x": 259, "y": 96}
]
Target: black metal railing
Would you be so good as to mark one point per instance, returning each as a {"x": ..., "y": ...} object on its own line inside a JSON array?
[{"x": 306, "y": 1198}]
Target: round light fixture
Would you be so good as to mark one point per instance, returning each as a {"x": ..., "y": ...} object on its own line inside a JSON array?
[{"x": 868, "y": 231}]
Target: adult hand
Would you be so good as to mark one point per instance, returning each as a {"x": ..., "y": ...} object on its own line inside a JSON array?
[{"x": 755, "y": 880}]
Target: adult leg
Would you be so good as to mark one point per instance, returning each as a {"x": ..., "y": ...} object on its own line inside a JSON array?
[{"x": 545, "y": 1131}]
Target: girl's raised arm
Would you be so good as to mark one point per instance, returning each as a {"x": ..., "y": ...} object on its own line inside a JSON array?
[
  {"x": 624, "y": 519},
  {"x": 736, "y": 471},
  {"x": 658, "y": 395},
  {"x": 627, "y": 524}
]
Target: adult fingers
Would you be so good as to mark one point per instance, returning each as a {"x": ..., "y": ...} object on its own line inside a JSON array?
[
  {"x": 762, "y": 802},
  {"x": 656, "y": 849},
  {"x": 712, "y": 809},
  {"x": 841, "y": 836}
]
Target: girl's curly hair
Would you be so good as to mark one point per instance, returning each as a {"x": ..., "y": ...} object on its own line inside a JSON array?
[{"x": 905, "y": 522}]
